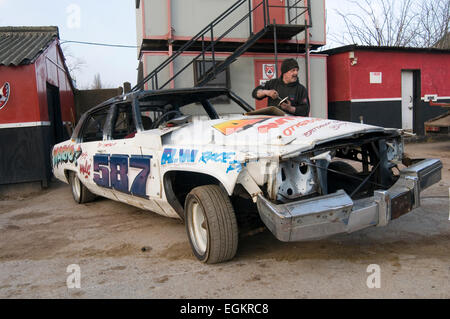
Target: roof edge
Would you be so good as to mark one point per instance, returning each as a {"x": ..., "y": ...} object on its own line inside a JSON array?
[
  {"x": 30, "y": 29},
  {"x": 355, "y": 47}
]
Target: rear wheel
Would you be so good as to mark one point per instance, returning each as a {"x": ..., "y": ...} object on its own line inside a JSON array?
[
  {"x": 211, "y": 224},
  {"x": 80, "y": 193}
]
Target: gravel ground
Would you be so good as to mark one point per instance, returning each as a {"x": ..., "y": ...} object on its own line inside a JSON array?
[{"x": 43, "y": 232}]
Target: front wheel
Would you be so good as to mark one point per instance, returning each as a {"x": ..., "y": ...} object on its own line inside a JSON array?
[{"x": 211, "y": 224}]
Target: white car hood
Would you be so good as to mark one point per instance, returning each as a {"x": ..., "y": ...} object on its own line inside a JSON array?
[{"x": 280, "y": 135}]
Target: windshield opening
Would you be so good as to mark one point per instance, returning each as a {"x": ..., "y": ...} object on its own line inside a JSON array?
[{"x": 158, "y": 109}]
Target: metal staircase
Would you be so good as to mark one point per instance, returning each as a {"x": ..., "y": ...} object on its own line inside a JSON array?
[{"x": 200, "y": 42}]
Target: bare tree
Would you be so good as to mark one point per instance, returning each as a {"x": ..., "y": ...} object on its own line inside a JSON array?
[
  {"x": 434, "y": 24},
  {"x": 418, "y": 23},
  {"x": 74, "y": 64},
  {"x": 97, "y": 84}
]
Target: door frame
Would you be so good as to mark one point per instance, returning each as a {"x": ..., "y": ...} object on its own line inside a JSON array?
[{"x": 416, "y": 91}]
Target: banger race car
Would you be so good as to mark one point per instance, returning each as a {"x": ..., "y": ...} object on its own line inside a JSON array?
[{"x": 173, "y": 153}]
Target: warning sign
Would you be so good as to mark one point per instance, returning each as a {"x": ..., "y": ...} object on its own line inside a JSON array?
[{"x": 375, "y": 77}]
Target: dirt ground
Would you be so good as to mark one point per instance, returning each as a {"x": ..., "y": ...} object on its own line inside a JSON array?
[{"x": 42, "y": 233}]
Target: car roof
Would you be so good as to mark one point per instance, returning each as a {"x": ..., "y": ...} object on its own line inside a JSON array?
[{"x": 170, "y": 94}]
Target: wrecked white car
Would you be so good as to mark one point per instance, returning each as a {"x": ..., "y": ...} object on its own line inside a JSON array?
[{"x": 171, "y": 152}]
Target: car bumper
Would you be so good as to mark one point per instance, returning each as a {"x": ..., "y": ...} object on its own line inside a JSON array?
[{"x": 337, "y": 213}]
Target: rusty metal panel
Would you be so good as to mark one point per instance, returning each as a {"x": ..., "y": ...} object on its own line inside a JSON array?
[{"x": 402, "y": 204}]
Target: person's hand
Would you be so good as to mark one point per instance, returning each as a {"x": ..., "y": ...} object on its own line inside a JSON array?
[
  {"x": 287, "y": 106},
  {"x": 272, "y": 94}
]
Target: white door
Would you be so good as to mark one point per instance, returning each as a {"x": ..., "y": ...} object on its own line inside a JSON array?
[{"x": 407, "y": 100}]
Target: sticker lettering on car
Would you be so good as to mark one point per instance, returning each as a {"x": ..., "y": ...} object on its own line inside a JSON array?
[
  {"x": 111, "y": 171},
  {"x": 232, "y": 126}
]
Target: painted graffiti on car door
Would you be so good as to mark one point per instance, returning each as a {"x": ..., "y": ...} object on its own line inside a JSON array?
[{"x": 111, "y": 171}]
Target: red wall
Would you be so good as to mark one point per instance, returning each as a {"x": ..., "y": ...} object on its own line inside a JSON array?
[
  {"x": 338, "y": 75},
  {"x": 22, "y": 105},
  {"x": 50, "y": 68},
  {"x": 346, "y": 82},
  {"x": 28, "y": 100},
  {"x": 275, "y": 13}
]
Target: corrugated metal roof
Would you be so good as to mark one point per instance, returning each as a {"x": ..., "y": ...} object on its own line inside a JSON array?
[{"x": 23, "y": 45}]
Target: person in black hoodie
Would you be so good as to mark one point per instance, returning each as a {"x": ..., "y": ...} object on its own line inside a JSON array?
[{"x": 297, "y": 102}]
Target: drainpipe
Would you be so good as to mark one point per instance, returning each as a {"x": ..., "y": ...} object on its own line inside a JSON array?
[
  {"x": 144, "y": 73},
  {"x": 170, "y": 40},
  {"x": 307, "y": 56}
]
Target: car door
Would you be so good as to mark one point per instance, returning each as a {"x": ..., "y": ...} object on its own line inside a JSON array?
[
  {"x": 91, "y": 172},
  {"x": 90, "y": 136},
  {"x": 133, "y": 170}
]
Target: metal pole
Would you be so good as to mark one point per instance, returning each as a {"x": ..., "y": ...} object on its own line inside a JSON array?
[
  {"x": 275, "y": 45},
  {"x": 288, "y": 11},
  {"x": 170, "y": 40},
  {"x": 264, "y": 13},
  {"x": 250, "y": 17},
  {"x": 203, "y": 64},
  {"x": 307, "y": 57},
  {"x": 309, "y": 13},
  {"x": 212, "y": 50}
]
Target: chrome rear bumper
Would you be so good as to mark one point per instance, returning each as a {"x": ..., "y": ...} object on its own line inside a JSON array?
[{"x": 338, "y": 213}]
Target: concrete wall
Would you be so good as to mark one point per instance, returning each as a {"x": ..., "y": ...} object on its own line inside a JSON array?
[
  {"x": 156, "y": 18},
  {"x": 319, "y": 98},
  {"x": 139, "y": 28},
  {"x": 151, "y": 61},
  {"x": 191, "y": 16},
  {"x": 188, "y": 17}
]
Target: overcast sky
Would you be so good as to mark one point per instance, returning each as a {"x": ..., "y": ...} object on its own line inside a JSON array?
[{"x": 99, "y": 21}]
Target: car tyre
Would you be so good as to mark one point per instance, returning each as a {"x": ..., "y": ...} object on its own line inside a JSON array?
[
  {"x": 80, "y": 192},
  {"x": 211, "y": 224}
]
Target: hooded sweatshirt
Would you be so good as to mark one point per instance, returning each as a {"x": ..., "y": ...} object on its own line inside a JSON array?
[{"x": 298, "y": 96}]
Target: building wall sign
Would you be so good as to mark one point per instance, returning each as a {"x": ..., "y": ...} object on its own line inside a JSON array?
[
  {"x": 375, "y": 77},
  {"x": 5, "y": 92},
  {"x": 269, "y": 71}
]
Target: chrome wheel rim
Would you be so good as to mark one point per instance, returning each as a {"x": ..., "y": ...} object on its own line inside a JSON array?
[
  {"x": 76, "y": 187},
  {"x": 197, "y": 228}
]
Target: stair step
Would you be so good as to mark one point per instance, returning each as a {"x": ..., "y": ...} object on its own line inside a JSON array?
[{"x": 284, "y": 31}]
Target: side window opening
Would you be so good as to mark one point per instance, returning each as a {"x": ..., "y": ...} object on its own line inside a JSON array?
[
  {"x": 93, "y": 129},
  {"x": 124, "y": 126}
]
